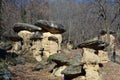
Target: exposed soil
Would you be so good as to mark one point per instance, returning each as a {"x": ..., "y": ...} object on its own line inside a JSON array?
[
  {"x": 24, "y": 72},
  {"x": 110, "y": 71}
]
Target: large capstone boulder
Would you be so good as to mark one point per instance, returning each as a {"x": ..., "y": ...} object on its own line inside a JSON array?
[
  {"x": 59, "y": 58},
  {"x": 24, "y": 26},
  {"x": 50, "y": 26},
  {"x": 93, "y": 44},
  {"x": 67, "y": 59}
]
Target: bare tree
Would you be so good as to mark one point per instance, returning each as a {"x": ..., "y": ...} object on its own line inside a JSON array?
[{"x": 0, "y": 17}]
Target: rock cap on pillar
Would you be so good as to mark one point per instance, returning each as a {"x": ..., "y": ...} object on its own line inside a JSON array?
[
  {"x": 93, "y": 44},
  {"x": 24, "y": 26},
  {"x": 50, "y": 26},
  {"x": 12, "y": 36}
]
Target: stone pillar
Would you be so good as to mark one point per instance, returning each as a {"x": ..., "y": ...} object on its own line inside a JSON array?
[
  {"x": 37, "y": 50},
  {"x": 91, "y": 60},
  {"x": 17, "y": 46},
  {"x": 112, "y": 41},
  {"x": 51, "y": 46},
  {"x": 103, "y": 56},
  {"x": 26, "y": 37}
]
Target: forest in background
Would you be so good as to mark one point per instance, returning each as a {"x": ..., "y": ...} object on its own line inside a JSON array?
[{"x": 82, "y": 19}]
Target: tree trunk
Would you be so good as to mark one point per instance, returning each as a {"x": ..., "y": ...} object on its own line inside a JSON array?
[
  {"x": 0, "y": 18},
  {"x": 108, "y": 39},
  {"x": 23, "y": 12}
]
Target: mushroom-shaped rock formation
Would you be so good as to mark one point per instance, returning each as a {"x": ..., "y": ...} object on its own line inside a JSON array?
[
  {"x": 24, "y": 26},
  {"x": 93, "y": 44},
  {"x": 50, "y": 26}
]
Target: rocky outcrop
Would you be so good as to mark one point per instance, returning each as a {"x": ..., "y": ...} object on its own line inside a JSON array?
[
  {"x": 93, "y": 55},
  {"x": 66, "y": 64},
  {"x": 38, "y": 39}
]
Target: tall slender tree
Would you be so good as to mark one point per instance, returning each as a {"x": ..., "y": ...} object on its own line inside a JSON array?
[
  {"x": 23, "y": 11},
  {"x": 0, "y": 17}
]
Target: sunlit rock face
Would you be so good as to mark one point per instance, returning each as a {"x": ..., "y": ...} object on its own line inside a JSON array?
[
  {"x": 112, "y": 40},
  {"x": 89, "y": 56},
  {"x": 91, "y": 61},
  {"x": 103, "y": 56},
  {"x": 51, "y": 43}
]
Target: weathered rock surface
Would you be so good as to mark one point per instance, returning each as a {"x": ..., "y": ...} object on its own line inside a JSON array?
[
  {"x": 40, "y": 66},
  {"x": 51, "y": 46},
  {"x": 17, "y": 46},
  {"x": 53, "y": 38},
  {"x": 37, "y": 49},
  {"x": 67, "y": 64},
  {"x": 72, "y": 70},
  {"x": 103, "y": 56},
  {"x": 59, "y": 58},
  {"x": 92, "y": 75},
  {"x": 92, "y": 71},
  {"x": 67, "y": 59},
  {"x": 50, "y": 26},
  {"x": 112, "y": 41},
  {"x": 93, "y": 44},
  {"x": 76, "y": 60},
  {"x": 36, "y": 36},
  {"x": 6, "y": 45},
  {"x": 91, "y": 60},
  {"x": 24, "y": 26},
  {"x": 57, "y": 71},
  {"x": 89, "y": 56},
  {"x": 44, "y": 65},
  {"x": 20, "y": 60}
]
